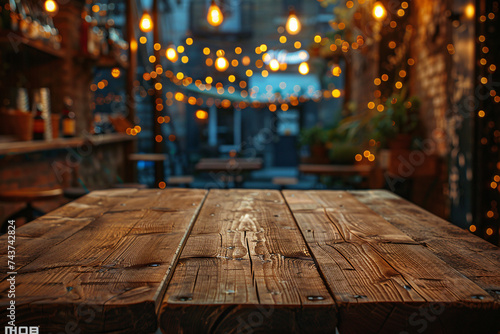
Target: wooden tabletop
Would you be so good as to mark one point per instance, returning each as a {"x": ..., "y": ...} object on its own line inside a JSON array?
[
  {"x": 242, "y": 261},
  {"x": 230, "y": 165}
]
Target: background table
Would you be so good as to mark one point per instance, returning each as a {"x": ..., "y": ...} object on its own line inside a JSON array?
[
  {"x": 229, "y": 170},
  {"x": 192, "y": 261}
]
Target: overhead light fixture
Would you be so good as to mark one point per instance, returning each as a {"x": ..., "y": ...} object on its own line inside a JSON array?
[
  {"x": 214, "y": 15},
  {"x": 146, "y": 23},
  {"x": 293, "y": 25}
]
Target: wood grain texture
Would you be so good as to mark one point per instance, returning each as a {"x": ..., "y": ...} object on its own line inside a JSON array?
[
  {"x": 470, "y": 255},
  {"x": 246, "y": 268},
  {"x": 100, "y": 264},
  {"x": 377, "y": 272}
]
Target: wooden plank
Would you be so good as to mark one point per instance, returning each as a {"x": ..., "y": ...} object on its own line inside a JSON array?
[
  {"x": 246, "y": 268},
  {"x": 377, "y": 272},
  {"x": 111, "y": 274},
  {"x": 470, "y": 255},
  {"x": 23, "y": 147}
]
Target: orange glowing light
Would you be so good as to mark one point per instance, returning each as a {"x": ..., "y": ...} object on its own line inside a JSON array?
[
  {"x": 214, "y": 16},
  {"x": 51, "y": 6},
  {"x": 293, "y": 25},
  {"x": 379, "y": 11},
  {"x": 146, "y": 23},
  {"x": 274, "y": 65},
  {"x": 115, "y": 72},
  {"x": 303, "y": 68},
  {"x": 221, "y": 64},
  {"x": 201, "y": 114}
]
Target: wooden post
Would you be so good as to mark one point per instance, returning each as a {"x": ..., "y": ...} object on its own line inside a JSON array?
[
  {"x": 159, "y": 169},
  {"x": 131, "y": 74}
]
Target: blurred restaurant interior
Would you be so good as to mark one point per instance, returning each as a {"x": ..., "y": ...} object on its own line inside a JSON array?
[{"x": 254, "y": 94}]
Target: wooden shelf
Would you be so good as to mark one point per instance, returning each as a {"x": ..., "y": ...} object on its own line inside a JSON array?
[
  {"x": 15, "y": 41},
  {"x": 110, "y": 138},
  {"x": 61, "y": 143}
]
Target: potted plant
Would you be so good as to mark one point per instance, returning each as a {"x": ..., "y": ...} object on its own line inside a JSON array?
[
  {"x": 345, "y": 141},
  {"x": 314, "y": 138},
  {"x": 397, "y": 124}
]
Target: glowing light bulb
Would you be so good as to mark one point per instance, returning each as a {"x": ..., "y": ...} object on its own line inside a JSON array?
[
  {"x": 214, "y": 16},
  {"x": 303, "y": 68},
  {"x": 274, "y": 65},
  {"x": 171, "y": 54},
  {"x": 146, "y": 23},
  {"x": 51, "y": 6},
  {"x": 221, "y": 64},
  {"x": 379, "y": 11},
  {"x": 293, "y": 25}
]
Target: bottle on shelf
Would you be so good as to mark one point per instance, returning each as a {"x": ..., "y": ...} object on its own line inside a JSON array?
[
  {"x": 38, "y": 124},
  {"x": 68, "y": 120}
]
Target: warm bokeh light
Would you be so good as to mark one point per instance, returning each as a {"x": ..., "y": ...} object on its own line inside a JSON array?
[
  {"x": 303, "y": 68},
  {"x": 274, "y": 65},
  {"x": 51, "y": 6},
  {"x": 470, "y": 11},
  {"x": 146, "y": 23},
  {"x": 221, "y": 64},
  {"x": 379, "y": 11},
  {"x": 201, "y": 114},
  {"x": 171, "y": 55},
  {"x": 115, "y": 72},
  {"x": 293, "y": 25},
  {"x": 336, "y": 71},
  {"x": 214, "y": 16}
]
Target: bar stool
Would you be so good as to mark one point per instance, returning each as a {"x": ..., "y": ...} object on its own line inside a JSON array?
[
  {"x": 158, "y": 159},
  {"x": 27, "y": 195}
]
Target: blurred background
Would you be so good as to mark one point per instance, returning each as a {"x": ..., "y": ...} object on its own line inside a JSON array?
[{"x": 284, "y": 94}]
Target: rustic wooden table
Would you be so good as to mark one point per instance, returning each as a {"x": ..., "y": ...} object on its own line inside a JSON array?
[{"x": 242, "y": 261}]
